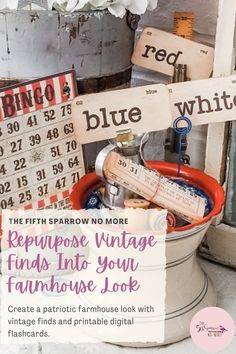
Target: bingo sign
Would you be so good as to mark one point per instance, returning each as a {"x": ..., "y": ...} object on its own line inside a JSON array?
[{"x": 39, "y": 157}]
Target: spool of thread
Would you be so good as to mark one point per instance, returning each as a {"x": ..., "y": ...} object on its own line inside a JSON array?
[{"x": 136, "y": 203}]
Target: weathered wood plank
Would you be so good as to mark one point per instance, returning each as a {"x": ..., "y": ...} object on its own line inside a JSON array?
[{"x": 215, "y": 149}]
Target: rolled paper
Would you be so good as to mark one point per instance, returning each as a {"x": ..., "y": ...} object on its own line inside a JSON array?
[{"x": 154, "y": 187}]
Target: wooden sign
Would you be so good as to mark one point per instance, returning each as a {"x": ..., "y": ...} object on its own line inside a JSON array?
[
  {"x": 40, "y": 158},
  {"x": 160, "y": 51},
  {"x": 204, "y": 101},
  {"x": 100, "y": 116}
]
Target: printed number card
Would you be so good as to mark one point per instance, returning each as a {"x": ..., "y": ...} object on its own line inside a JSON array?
[
  {"x": 160, "y": 51},
  {"x": 103, "y": 114},
  {"x": 39, "y": 156}
]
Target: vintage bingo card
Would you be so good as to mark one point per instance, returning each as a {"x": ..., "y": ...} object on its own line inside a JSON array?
[{"x": 40, "y": 158}]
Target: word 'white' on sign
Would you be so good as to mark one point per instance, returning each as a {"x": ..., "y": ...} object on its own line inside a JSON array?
[
  {"x": 160, "y": 51},
  {"x": 99, "y": 116},
  {"x": 205, "y": 101}
]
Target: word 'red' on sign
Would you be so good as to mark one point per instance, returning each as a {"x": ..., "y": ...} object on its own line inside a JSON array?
[
  {"x": 99, "y": 116},
  {"x": 204, "y": 101},
  {"x": 160, "y": 51}
]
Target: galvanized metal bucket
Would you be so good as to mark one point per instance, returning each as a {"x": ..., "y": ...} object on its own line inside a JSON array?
[
  {"x": 39, "y": 43},
  {"x": 188, "y": 288}
]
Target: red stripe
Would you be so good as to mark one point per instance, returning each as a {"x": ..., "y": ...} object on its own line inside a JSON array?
[
  {"x": 74, "y": 82},
  {"x": 27, "y": 207},
  {"x": 25, "y": 109},
  {"x": 37, "y": 86},
  {"x": 1, "y": 113},
  {"x": 62, "y": 81},
  {"x": 53, "y": 199},
  {"x": 65, "y": 194},
  {"x": 10, "y": 92},
  {"x": 51, "y": 83},
  {"x": 41, "y": 203}
]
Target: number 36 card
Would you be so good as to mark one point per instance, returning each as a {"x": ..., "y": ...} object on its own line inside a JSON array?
[{"x": 39, "y": 156}]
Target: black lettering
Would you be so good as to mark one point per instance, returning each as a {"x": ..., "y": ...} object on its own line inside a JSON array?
[
  {"x": 49, "y": 93},
  {"x": 135, "y": 112},
  {"x": 148, "y": 49},
  {"x": 104, "y": 113},
  {"x": 234, "y": 100},
  {"x": 91, "y": 117},
  {"x": 26, "y": 99},
  {"x": 175, "y": 57},
  {"x": 160, "y": 55},
  {"x": 8, "y": 105},
  {"x": 18, "y": 102},
  {"x": 123, "y": 121},
  {"x": 224, "y": 98},
  {"x": 217, "y": 101},
  {"x": 185, "y": 108},
  {"x": 38, "y": 95},
  {"x": 201, "y": 101}
]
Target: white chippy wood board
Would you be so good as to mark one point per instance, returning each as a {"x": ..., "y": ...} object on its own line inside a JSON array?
[
  {"x": 219, "y": 245},
  {"x": 220, "y": 242},
  {"x": 214, "y": 163},
  {"x": 159, "y": 51}
]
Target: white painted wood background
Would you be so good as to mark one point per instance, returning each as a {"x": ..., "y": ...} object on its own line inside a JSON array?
[{"x": 220, "y": 241}]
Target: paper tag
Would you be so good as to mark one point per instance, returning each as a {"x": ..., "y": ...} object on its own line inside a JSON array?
[
  {"x": 205, "y": 101},
  {"x": 160, "y": 51},
  {"x": 141, "y": 109},
  {"x": 40, "y": 158},
  {"x": 154, "y": 187}
]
